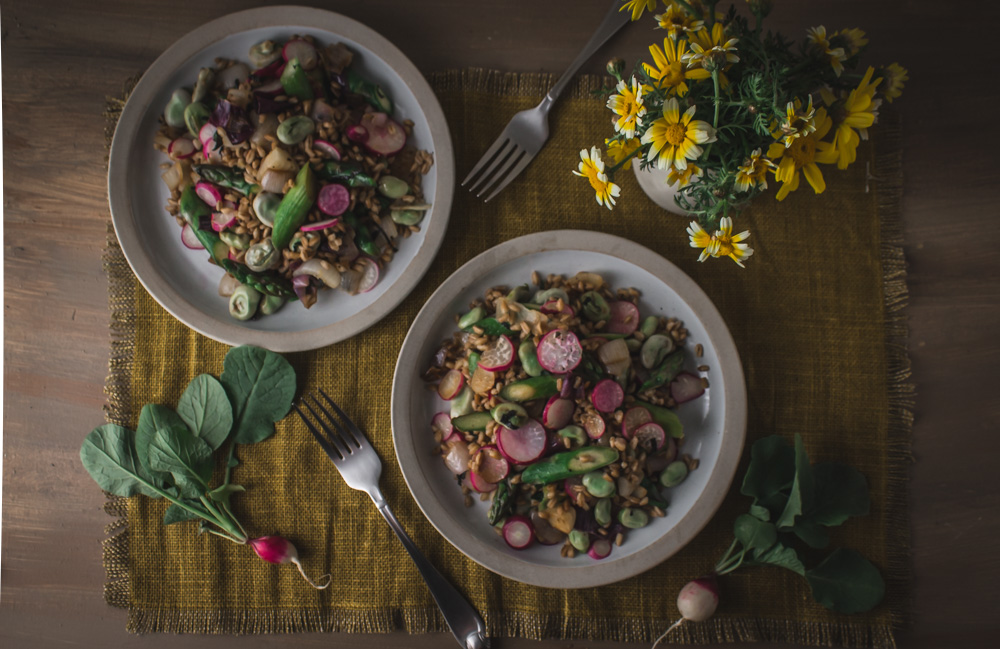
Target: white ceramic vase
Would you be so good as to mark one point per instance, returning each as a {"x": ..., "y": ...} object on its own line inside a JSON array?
[{"x": 653, "y": 181}]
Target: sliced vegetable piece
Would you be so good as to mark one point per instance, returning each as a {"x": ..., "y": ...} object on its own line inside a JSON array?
[
  {"x": 624, "y": 317},
  {"x": 301, "y": 51},
  {"x": 328, "y": 149},
  {"x": 493, "y": 466},
  {"x": 472, "y": 422},
  {"x": 558, "y": 412},
  {"x": 615, "y": 356},
  {"x": 529, "y": 358},
  {"x": 481, "y": 484},
  {"x": 544, "y": 532},
  {"x": 462, "y": 404},
  {"x": 190, "y": 239},
  {"x": 450, "y": 385},
  {"x": 634, "y": 417},
  {"x": 595, "y": 425},
  {"x": 599, "y": 549},
  {"x": 208, "y": 193},
  {"x": 655, "y": 349},
  {"x": 441, "y": 423},
  {"x": 319, "y": 225},
  {"x": 686, "y": 387},
  {"x": 518, "y": 532},
  {"x": 385, "y": 135},
  {"x": 559, "y": 351},
  {"x": 539, "y": 387},
  {"x": 482, "y": 380},
  {"x": 522, "y": 445},
  {"x": 563, "y": 465},
  {"x": 607, "y": 395},
  {"x": 510, "y": 415},
  {"x": 651, "y": 432},
  {"x": 664, "y": 417},
  {"x": 457, "y": 457},
  {"x": 294, "y": 207},
  {"x": 499, "y": 356},
  {"x": 369, "y": 274},
  {"x": 295, "y": 81},
  {"x": 334, "y": 199}
]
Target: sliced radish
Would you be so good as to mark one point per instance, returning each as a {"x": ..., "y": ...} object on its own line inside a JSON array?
[
  {"x": 651, "y": 431},
  {"x": 518, "y": 532},
  {"x": 493, "y": 466},
  {"x": 599, "y": 549},
  {"x": 552, "y": 308},
  {"x": 450, "y": 385},
  {"x": 624, "y": 317},
  {"x": 357, "y": 133},
  {"x": 319, "y": 225},
  {"x": 181, "y": 148},
  {"x": 499, "y": 357},
  {"x": 441, "y": 423},
  {"x": 301, "y": 50},
  {"x": 457, "y": 458},
  {"x": 208, "y": 193},
  {"x": 559, "y": 351},
  {"x": 273, "y": 69},
  {"x": 634, "y": 417},
  {"x": 607, "y": 395},
  {"x": 686, "y": 387},
  {"x": 595, "y": 425},
  {"x": 481, "y": 484},
  {"x": 558, "y": 412},
  {"x": 207, "y": 133},
  {"x": 385, "y": 135},
  {"x": 569, "y": 483},
  {"x": 659, "y": 461},
  {"x": 190, "y": 239},
  {"x": 544, "y": 532},
  {"x": 522, "y": 445},
  {"x": 334, "y": 199},
  {"x": 222, "y": 221},
  {"x": 328, "y": 149},
  {"x": 369, "y": 274}
]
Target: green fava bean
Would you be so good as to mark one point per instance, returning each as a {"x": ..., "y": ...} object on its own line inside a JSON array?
[
  {"x": 195, "y": 116},
  {"x": 527, "y": 353},
  {"x": 407, "y": 217},
  {"x": 238, "y": 241},
  {"x": 271, "y": 303},
  {"x": 595, "y": 308},
  {"x": 173, "y": 115},
  {"x": 472, "y": 317},
  {"x": 633, "y": 518},
  {"x": 574, "y": 433},
  {"x": 295, "y": 129},
  {"x": 392, "y": 187},
  {"x": 579, "y": 540},
  {"x": 649, "y": 325},
  {"x": 597, "y": 486},
  {"x": 674, "y": 474},
  {"x": 602, "y": 512}
]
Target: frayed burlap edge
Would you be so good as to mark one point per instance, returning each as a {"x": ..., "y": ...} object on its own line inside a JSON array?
[{"x": 886, "y": 175}]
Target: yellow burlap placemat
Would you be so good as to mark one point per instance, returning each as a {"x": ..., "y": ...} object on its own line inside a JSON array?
[{"x": 815, "y": 316}]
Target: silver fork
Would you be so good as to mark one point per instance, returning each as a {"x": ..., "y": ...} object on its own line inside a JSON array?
[
  {"x": 361, "y": 468},
  {"x": 527, "y": 131}
]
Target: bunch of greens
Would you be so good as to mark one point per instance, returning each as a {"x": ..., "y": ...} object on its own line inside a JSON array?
[{"x": 172, "y": 453}]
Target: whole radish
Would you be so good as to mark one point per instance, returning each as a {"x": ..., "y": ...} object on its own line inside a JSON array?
[
  {"x": 276, "y": 549},
  {"x": 696, "y": 602}
]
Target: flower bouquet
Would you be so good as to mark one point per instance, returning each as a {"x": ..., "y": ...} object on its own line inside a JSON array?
[{"x": 723, "y": 106}]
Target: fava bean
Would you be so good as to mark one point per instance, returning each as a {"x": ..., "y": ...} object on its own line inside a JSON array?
[
  {"x": 597, "y": 486},
  {"x": 392, "y": 187},
  {"x": 674, "y": 474},
  {"x": 633, "y": 518},
  {"x": 295, "y": 129}
]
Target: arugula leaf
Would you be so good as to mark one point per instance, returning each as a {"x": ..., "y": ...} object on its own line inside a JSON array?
[
  {"x": 177, "y": 514},
  {"x": 846, "y": 582},
  {"x": 779, "y": 555},
  {"x": 754, "y": 534},
  {"x": 153, "y": 417},
  {"x": 812, "y": 533},
  {"x": 772, "y": 468},
  {"x": 223, "y": 493},
  {"x": 205, "y": 408},
  {"x": 261, "y": 386},
  {"x": 841, "y": 492},
  {"x": 760, "y": 512},
  {"x": 803, "y": 488},
  {"x": 177, "y": 451},
  {"x": 108, "y": 453}
]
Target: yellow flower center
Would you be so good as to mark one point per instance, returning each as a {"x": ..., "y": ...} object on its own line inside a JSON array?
[
  {"x": 676, "y": 134},
  {"x": 802, "y": 151},
  {"x": 725, "y": 247},
  {"x": 673, "y": 75}
]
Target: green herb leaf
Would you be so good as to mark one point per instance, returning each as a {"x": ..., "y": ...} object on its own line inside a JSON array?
[
  {"x": 109, "y": 455},
  {"x": 772, "y": 468},
  {"x": 187, "y": 458},
  {"x": 205, "y": 408},
  {"x": 780, "y": 555},
  {"x": 223, "y": 493},
  {"x": 760, "y": 512},
  {"x": 261, "y": 386},
  {"x": 177, "y": 514},
  {"x": 846, "y": 582},
  {"x": 841, "y": 492},
  {"x": 803, "y": 488},
  {"x": 812, "y": 533},
  {"x": 153, "y": 417},
  {"x": 754, "y": 534}
]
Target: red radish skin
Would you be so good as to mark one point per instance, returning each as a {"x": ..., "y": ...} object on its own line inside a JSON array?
[
  {"x": 190, "y": 239},
  {"x": 451, "y": 384},
  {"x": 558, "y": 412},
  {"x": 481, "y": 484},
  {"x": 319, "y": 225},
  {"x": 270, "y": 70},
  {"x": 301, "y": 50},
  {"x": 357, "y": 133},
  {"x": 552, "y": 308},
  {"x": 523, "y": 445},
  {"x": 600, "y": 549},
  {"x": 518, "y": 532},
  {"x": 499, "y": 357},
  {"x": 698, "y": 599},
  {"x": 634, "y": 417},
  {"x": 328, "y": 149},
  {"x": 595, "y": 426},
  {"x": 624, "y": 317},
  {"x": 493, "y": 466},
  {"x": 559, "y": 351},
  {"x": 686, "y": 387},
  {"x": 385, "y": 135},
  {"x": 181, "y": 148},
  {"x": 276, "y": 549},
  {"x": 208, "y": 193},
  {"x": 441, "y": 423},
  {"x": 333, "y": 199},
  {"x": 607, "y": 395},
  {"x": 457, "y": 459},
  {"x": 207, "y": 133},
  {"x": 659, "y": 461},
  {"x": 568, "y": 485},
  {"x": 653, "y": 431},
  {"x": 222, "y": 221}
]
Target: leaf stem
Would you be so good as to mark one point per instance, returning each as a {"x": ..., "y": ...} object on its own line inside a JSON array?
[{"x": 224, "y": 521}]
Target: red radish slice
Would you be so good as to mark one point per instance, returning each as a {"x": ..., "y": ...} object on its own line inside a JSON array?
[
  {"x": 651, "y": 431},
  {"x": 634, "y": 417},
  {"x": 518, "y": 532},
  {"x": 301, "y": 50},
  {"x": 569, "y": 483},
  {"x": 270, "y": 70},
  {"x": 659, "y": 461},
  {"x": 208, "y": 193},
  {"x": 499, "y": 357},
  {"x": 190, "y": 239},
  {"x": 559, "y": 351},
  {"x": 481, "y": 484},
  {"x": 544, "y": 532},
  {"x": 686, "y": 387},
  {"x": 558, "y": 412},
  {"x": 607, "y": 395},
  {"x": 624, "y": 317},
  {"x": 369, "y": 274},
  {"x": 441, "y": 423},
  {"x": 207, "y": 133},
  {"x": 451, "y": 384},
  {"x": 271, "y": 89},
  {"x": 181, "y": 148},
  {"x": 493, "y": 467},
  {"x": 385, "y": 136},
  {"x": 328, "y": 149},
  {"x": 334, "y": 199},
  {"x": 552, "y": 308},
  {"x": 457, "y": 459},
  {"x": 222, "y": 221},
  {"x": 522, "y": 445},
  {"x": 319, "y": 225},
  {"x": 594, "y": 424},
  {"x": 599, "y": 549},
  {"x": 357, "y": 133}
]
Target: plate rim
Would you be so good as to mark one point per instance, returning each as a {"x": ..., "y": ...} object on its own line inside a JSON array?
[
  {"x": 733, "y": 429},
  {"x": 126, "y": 131}
]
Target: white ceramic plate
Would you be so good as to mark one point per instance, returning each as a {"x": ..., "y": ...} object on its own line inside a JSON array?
[
  {"x": 715, "y": 424},
  {"x": 180, "y": 279}
]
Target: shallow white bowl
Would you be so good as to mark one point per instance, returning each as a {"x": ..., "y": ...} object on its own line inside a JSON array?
[
  {"x": 182, "y": 280},
  {"x": 715, "y": 424}
]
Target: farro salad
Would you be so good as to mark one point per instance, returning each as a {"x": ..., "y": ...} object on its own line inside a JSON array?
[
  {"x": 562, "y": 400},
  {"x": 290, "y": 170}
]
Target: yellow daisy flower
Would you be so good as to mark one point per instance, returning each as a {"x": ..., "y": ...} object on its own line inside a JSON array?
[
  {"x": 637, "y": 7},
  {"x": 619, "y": 150},
  {"x": 667, "y": 69},
  {"x": 857, "y": 111},
  {"x": 854, "y": 40},
  {"x": 592, "y": 168},
  {"x": 721, "y": 244},
  {"x": 675, "y": 137},
  {"x": 753, "y": 172},
  {"x": 803, "y": 155},
  {"x": 711, "y": 49},
  {"x": 797, "y": 122},
  {"x": 699, "y": 239},
  {"x": 820, "y": 42},
  {"x": 677, "y": 21},
  {"x": 896, "y": 77},
  {"x": 627, "y": 104},
  {"x": 683, "y": 178}
]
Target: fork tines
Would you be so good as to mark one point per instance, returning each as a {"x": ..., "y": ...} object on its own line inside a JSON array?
[
  {"x": 506, "y": 160},
  {"x": 338, "y": 440}
]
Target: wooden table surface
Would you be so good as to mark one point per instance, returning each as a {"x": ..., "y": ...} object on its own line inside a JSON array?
[{"x": 62, "y": 59}]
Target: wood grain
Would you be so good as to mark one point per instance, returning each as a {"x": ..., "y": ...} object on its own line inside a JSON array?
[{"x": 61, "y": 61}]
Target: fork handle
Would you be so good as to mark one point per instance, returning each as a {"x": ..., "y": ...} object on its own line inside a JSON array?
[
  {"x": 463, "y": 620},
  {"x": 613, "y": 21}
]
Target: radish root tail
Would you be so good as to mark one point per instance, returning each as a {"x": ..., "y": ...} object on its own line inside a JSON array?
[
  {"x": 312, "y": 583},
  {"x": 672, "y": 627}
]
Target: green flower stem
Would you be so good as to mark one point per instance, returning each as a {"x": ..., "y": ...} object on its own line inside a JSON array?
[{"x": 715, "y": 120}]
